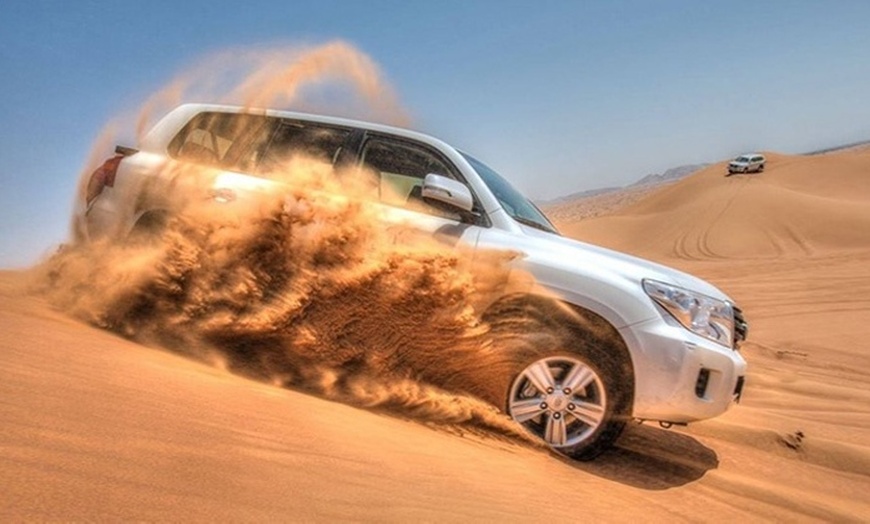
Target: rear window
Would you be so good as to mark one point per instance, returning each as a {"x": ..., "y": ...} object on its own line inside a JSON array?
[
  {"x": 255, "y": 144},
  {"x": 231, "y": 141}
]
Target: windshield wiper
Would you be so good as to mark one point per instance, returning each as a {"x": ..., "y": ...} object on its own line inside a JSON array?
[{"x": 536, "y": 225}]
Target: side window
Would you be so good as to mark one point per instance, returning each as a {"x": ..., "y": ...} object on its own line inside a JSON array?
[
  {"x": 400, "y": 168},
  {"x": 227, "y": 140},
  {"x": 315, "y": 141}
]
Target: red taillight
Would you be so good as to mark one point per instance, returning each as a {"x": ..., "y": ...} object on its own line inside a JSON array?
[{"x": 103, "y": 176}]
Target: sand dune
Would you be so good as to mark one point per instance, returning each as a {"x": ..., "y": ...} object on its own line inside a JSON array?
[
  {"x": 792, "y": 246},
  {"x": 95, "y": 427},
  {"x": 800, "y": 205}
]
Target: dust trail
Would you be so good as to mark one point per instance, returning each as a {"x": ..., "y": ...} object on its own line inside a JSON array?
[
  {"x": 307, "y": 291},
  {"x": 335, "y": 78},
  {"x": 299, "y": 284}
]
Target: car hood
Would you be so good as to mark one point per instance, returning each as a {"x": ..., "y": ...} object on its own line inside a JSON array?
[{"x": 626, "y": 266}]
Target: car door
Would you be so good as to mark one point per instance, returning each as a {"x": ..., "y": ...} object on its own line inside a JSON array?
[
  {"x": 757, "y": 161},
  {"x": 396, "y": 168},
  {"x": 247, "y": 156},
  {"x": 208, "y": 159}
]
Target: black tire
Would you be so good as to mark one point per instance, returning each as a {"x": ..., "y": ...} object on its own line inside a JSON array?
[
  {"x": 593, "y": 415},
  {"x": 580, "y": 422}
]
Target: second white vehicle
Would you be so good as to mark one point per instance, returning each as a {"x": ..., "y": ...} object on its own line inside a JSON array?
[{"x": 750, "y": 163}]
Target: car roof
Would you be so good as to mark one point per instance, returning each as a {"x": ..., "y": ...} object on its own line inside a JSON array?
[{"x": 183, "y": 113}]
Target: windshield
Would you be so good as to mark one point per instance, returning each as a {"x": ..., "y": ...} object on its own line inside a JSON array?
[
  {"x": 512, "y": 201},
  {"x": 742, "y": 159}
]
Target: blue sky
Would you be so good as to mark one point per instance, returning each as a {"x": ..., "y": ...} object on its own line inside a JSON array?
[{"x": 558, "y": 96}]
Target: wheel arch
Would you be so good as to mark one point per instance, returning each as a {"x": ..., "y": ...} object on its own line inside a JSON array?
[
  {"x": 149, "y": 223},
  {"x": 151, "y": 219},
  {"x": 591, "y": 333}
]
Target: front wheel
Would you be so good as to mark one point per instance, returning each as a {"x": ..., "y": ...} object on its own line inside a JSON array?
[{"x": 569, "y": 403}]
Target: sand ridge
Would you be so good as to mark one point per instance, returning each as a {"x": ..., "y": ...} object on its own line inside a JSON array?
[{"x": 799, "y": 206}]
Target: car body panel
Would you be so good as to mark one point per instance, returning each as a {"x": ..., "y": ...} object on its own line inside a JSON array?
[{"x": 666, "y": 357}]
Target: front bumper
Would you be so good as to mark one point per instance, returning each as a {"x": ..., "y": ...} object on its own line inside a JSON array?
[{"x": 679, "y": 376}]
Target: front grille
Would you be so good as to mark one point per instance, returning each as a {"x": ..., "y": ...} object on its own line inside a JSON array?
[{"x": 741, "y": 327}]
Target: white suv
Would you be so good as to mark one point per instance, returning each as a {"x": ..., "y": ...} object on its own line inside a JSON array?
[
  {"x": 631, "y": 338},
  {"x": 751, "y": 163}
]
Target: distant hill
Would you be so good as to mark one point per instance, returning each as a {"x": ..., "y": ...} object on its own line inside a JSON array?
[
  {"x": 671, "y": 175},
  {"x": 603, "y": 200},
  {"x": 864, "y": 144},
  {"x": 578, "y": 195},
  {"x": 588, "y": 204}
]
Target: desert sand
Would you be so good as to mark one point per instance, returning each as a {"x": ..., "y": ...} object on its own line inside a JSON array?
[{"x": 96, "y": 427}]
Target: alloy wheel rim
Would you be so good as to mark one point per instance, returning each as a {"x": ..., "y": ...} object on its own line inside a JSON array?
[{"x": 558, "y": 399}]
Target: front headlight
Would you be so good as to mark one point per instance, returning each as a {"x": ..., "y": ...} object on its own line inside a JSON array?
[{"x": 706, "y": 316}]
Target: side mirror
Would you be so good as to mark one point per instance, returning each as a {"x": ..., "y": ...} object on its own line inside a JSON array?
[{"x": 443, "y": 190}]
